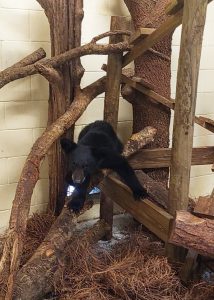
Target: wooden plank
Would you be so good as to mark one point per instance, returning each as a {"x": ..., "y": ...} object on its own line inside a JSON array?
[
  {"x": 160, "y": 158},
  {"x": 189, "y": 266},
  {"x": 148, "y": 92},
  {"x": 111, "y": 107},
  {"x": 144, "y": 89},
  {"x": 205, "y": 207},
  {"x": 114, "y": 70},
  {"x": 156, "y": 219},
  {"x": 140, "y": 33},
  {"x": 144, "y": 44},
  {"x": 174, "y": 6},
  {"x": 205, "y": 122},
  {"x": 186, "y": 90}
]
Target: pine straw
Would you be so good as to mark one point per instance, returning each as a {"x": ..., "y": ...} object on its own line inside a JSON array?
[
  {"x": 38, "y": 226},
  {"x": 133, "y": 269}
]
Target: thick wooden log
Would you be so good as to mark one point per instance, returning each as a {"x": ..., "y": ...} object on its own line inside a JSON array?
[
  {"x": 34, "y": 279},
  {"x": 189, "y": 60},
  {"x": 160, "y": 158},
  {"x": 193, "y": 233}
]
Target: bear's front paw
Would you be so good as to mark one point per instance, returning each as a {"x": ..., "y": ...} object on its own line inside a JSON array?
[
  {"x": 139, "y": 193},
  {"x": 76, "y": 205}
]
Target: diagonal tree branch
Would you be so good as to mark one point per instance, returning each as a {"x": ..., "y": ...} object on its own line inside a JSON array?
[{"x": 30, "y": 175}]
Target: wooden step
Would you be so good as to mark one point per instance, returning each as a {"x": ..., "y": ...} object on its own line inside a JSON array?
[
  {"x": 140, "y": 33},
  {"x": 156, "y": 219}
]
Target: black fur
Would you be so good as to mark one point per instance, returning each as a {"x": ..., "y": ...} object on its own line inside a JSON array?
[{"x": 98, "y": 147}]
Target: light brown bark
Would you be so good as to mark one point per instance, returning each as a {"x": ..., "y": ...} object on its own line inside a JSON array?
[
  {"x": 193, "y": 233},
  {"x": 30, "y": 175}
]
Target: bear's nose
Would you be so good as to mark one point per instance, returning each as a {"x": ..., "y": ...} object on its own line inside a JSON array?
[{"x": 78, "y": 175}]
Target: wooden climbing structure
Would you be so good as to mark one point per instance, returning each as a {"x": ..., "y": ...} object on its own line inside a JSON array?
[{"x": 171, "y": 205}]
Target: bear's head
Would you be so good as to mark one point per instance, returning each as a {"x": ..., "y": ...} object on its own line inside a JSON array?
[{"x": 81, "y": 161}]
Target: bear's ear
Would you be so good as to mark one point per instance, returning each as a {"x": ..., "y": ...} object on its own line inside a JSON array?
[{"x": 67, "y": 145}]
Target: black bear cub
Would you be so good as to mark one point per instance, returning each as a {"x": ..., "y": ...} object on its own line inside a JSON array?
[{"x": 98, "y": 147}]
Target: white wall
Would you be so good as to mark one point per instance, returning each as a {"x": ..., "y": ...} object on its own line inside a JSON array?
[{"x": 23, "y": 103}]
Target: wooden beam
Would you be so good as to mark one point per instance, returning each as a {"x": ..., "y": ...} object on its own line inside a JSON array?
[
  {"x": 193, "y": 233},
  {"x": 114, "y": 70},
  {"x": 170, "y": 103},
  {"x": 186, "y": 272},
  {"x": 111, "y": 107},
  {"x": 205, "y": 207},
  {"x": 160, "y": 158},
  {"x": 144, "y": 44},
  {"x": 148, "y": 92},
  {"x": 186, "y": 91},
  {"x": 205, "y": 122},
  {"x": 156, "y": 219},
  {"x": 174, "y": 6},
  {"x": 140, "y": 33}
]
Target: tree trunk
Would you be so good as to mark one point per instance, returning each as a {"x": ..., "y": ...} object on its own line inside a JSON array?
[
  {"x": 193, "y": 233},
  {"x": 65, "y": 30},
  {"x": 155, "y": 69}
]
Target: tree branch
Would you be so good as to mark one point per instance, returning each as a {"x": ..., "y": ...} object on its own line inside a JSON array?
[
  {"x": 15, "y": 72},
  {"x": 30, "y": 174}
]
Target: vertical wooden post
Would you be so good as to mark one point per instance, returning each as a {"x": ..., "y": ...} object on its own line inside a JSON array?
[
  {"x": 114, "y": 69},
  {"x": 111, "y": 106},
  {"x": 186, "y": 91}
]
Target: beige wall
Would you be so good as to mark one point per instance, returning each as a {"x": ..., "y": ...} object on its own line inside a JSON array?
[{"x": 23, "y": 103}]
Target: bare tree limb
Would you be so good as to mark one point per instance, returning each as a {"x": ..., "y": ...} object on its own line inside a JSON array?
[
  {"x": 30, "y": 175},
  {"x": 15, "y": 72}
]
